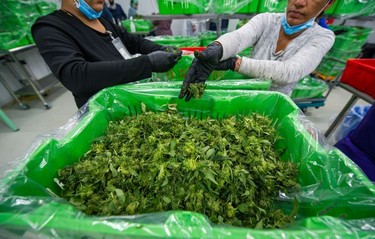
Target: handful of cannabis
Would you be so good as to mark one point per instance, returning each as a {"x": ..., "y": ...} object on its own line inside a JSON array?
[{"x": 226, "y": 169}]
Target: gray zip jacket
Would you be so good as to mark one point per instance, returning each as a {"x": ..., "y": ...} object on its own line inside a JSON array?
[{"x": 302, "y": 55}]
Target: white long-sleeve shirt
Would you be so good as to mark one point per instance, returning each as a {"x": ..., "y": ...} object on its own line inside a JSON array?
[{"x": 302, "y": 55}]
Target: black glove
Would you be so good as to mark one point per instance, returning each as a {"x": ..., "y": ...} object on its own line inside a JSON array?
[
  {"x": 201, "y": 67},
  {"x": 172, "y": 49},
  {"x": 162, "y": 61},
  {"x": 228, "y": 64}
]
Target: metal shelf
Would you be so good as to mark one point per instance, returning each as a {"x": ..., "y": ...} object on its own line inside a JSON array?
[
  {"x": 33, "y": 86},
  {"x": 43, "y": 85}
]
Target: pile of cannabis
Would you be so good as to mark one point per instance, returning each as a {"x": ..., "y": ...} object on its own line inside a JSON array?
[{"x": 226, "y": 169}]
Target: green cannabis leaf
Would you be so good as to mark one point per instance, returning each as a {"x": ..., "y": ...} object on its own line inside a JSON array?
[{"x": 227, "y": 169}]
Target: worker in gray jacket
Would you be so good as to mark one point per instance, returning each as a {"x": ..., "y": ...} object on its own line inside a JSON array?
[{"x": 285, "y": 47}]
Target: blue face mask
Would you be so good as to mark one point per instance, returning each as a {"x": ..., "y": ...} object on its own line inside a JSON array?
[
  {"x": 87, "y": 10},
  {"x": 289, "y": 30}
]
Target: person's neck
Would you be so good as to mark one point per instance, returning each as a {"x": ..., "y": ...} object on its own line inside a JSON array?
[
  {"x": 72, "y": 9},
  {"x": 290, "y": 37},
  {"x": 93, "y": 23}
]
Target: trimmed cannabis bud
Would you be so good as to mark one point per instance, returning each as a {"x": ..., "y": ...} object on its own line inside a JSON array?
[
  {"x": 226, "y": 169},
  {"x": 197, "y": 89}
]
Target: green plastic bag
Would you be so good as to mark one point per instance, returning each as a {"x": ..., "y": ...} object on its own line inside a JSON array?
[
  {"x": 336, "y": 200},
  {"x": 309, "y": 87},
  {"x": 354, "y": 8}
]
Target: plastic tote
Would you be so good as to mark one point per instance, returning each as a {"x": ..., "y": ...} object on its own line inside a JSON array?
[
  {"x": 137, "y": 25},
  {"x": 354, "y": 7},
  {"x": 182, "y": 6},
  {"x": 309, "y": 87},
  {"x": 233, "y": 6},
  {"x": 360, "y": 74},
  {"x": 272, "y": 5},
  {"x": 336, "y": 200}
]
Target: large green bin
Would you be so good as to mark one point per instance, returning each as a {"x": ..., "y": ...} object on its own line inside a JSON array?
[{"x": 336, "y": 200}]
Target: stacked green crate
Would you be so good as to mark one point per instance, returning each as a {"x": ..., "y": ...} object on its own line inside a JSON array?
[
  {"x": 354, "y": 7},
  {"x": 348, "y": 44},
  {"x": 208, "y": 37},
  {"x": 182, "y": 6},
  {"x": 272, "y": 5},
  {"x": 233, "y": 6}
]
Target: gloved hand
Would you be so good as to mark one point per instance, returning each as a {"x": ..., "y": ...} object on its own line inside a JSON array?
[
  {"x": 201, "y": 68},
  {"x": 172, "y": 49},
  {"x": 162, "y": 61},
  {"x": 228, "y": 64}
]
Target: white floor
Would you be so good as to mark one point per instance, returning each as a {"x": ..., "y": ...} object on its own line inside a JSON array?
[{"x": 38, "y": 121}]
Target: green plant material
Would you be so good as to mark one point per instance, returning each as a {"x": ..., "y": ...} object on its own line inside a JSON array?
[
  {"x": 226, "y": 169},
  {"x": 197, "y": 89}
]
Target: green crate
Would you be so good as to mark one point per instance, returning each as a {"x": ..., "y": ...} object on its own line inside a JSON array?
[
  {"x": 137, "y": 25},
  {"x": 309, "y": 87},
  {"x": 177, "y": 41},
  {"x": 350, "y": 38},
  {"x": 234, "y": 6},
  {"x": 182, "y": 6},
  {"x": 208, "y": 37},
  {"x": 272, "y": 5},
  {"x": 335, "y": 199},
  {"x": 355, "y": 7}
]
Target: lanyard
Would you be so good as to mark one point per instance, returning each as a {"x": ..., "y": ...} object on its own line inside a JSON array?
[{"x": 121, "y": 48}]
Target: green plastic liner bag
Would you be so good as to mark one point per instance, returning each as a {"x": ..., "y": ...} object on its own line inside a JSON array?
[{"x": 335, "y": 199}]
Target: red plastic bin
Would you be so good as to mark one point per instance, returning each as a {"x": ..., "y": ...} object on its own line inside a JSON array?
[
  {"x": 360, "y": 74},
  {"x": 190, "y": 50}
]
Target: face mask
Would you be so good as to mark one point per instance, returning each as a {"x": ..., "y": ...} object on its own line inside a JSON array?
[
  {"x": 87, "y": 10},
  {"x": 289, "y": 30}
]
